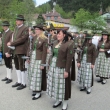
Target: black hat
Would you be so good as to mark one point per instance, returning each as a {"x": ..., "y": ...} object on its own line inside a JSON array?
[
  {"x": 85, "y": 32},
  {"x": 20, "y": 17},
  {"x": 39, "y": 26},
  {"x": 5, "y": 23},
  {"x": 88, "y": 37},
  {"x": 105, "y": 33}
]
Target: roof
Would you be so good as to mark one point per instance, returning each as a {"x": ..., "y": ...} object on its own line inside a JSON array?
[{"x": 51, "y": 15}]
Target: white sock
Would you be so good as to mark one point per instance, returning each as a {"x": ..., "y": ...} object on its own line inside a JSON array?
[
  {"x": 82, "y": 86},
  {"x": 104, "y": 81},
  {"x": 10, "y": 73},
  {"x": 23, "y": 77},
  {"x": 7, "y": 72},
  {"x": 57, "y": 102},
  {"x": 37, "y": 95},
  {"x": 89, "y": 89},
  {"x": 18, "y": 75},
  {"x": 65, "y": 103}
]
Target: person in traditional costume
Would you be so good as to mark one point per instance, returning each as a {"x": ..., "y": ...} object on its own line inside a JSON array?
[
  {"x": 6, "y": 37},
  {"x": 103, "y": 60},
  {"x": 51, "y": 38},
  {"x": 59, "y": 79},
  {"x": 85, "y": 63},
  {"x": 73, "y": 70},
  {"x": 19, "y": 43},
  {"x": 37, "y": 70}
]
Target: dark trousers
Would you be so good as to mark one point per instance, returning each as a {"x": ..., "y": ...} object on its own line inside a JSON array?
[
  {"x": 8, "y": 61},
  {"x": 19, "y": 62}
]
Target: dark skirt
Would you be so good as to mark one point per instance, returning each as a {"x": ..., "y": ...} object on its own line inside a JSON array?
[{"x": 73, "y": 72}]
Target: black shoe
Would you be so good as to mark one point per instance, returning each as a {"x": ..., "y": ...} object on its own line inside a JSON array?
[
  {"x": 55, "y": 106},
  {"x": 8, "y": 81},
  {"x": 104, "y": 82},
  {"x": 83, "y": 89},
  {"x": 66, "y": 107},
  {"x": 34, "y": 98},
  {"x": 5, "y": 79},
  {"x": 33, "y": 94},
  {"x": 88, "y": 92},
  {"x": 16, "y": 84},
  {"x": 21, "y": 87},
  {"x": 99, "y": 81}
]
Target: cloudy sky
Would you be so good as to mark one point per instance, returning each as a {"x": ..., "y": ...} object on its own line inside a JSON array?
[{"x": 39, "y": 2}]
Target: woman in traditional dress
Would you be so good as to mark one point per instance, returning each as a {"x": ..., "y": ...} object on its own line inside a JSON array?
[
  {"x": 103, "y": 60},
  {"x": 36, "y": 70},
  {"x": 59, "y": 80},
  {"x": 73, "y": 70},
  {"x": 86, "y": 62}
]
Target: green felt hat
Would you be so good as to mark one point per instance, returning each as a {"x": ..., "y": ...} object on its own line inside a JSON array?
[
  {"x": 20, "y": 17},
  {"x": 105, "y": 33},
  {"x": 40, "y": 26},
  {"x": 5, "y": 23}
]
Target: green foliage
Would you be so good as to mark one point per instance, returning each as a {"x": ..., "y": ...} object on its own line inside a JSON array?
[
  {"x": 43, "y": 8},
  {"x": 40, "y": 19},
  {"x": 62, "y": 12},
  {"x": 81, "y": 17},
  {"x": 9, "y": 9},
  {"x": 96, "y": 23},
  {"x": 86, "y": 20},
  {"x": 90, "y": 5}
]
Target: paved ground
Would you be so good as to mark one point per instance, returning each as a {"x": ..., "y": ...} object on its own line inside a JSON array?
[{"x": 12, "y": 99}]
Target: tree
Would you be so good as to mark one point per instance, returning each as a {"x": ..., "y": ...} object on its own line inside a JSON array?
[
  {"x": 75, "y": 5},
  {"x": 4, "y": 5},
  {"x": 86, "y": 20},
  {"x": 62, "y": 12},
  {"x": 44, "y": 8},
  {"x": 96, "y": 23},
  {"x": 81, "y": 17},
  {"x": 40, "y": 19}
]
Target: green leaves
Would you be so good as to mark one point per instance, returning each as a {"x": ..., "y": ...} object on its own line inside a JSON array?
[
  {"x": 81, "y": 17},
  {"x": 86, "y": 20}
]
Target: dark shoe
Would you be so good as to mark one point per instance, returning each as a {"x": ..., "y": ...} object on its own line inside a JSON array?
[
  {"x": 33, "y": 94},
  {"x": 66, "y": 107},
  {"x": 8, "y": 81},
  {"x": 99, "y": 81},
  {"x": 55, "y": 106},
  {"x": 104, "y": 82},
  {"x": 21, "y": 87},
  {"x": 34, "y": 98},
  {"x": 16, "y": 84},
  {"x": 83, "y": 89},
  {"x": 88, "y": 92},
  {"x": 5, "y": 79}
]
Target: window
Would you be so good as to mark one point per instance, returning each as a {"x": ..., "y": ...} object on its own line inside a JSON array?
[
  {"x": 48, "y": 18},
  {"x": 55, "y": 18}
]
